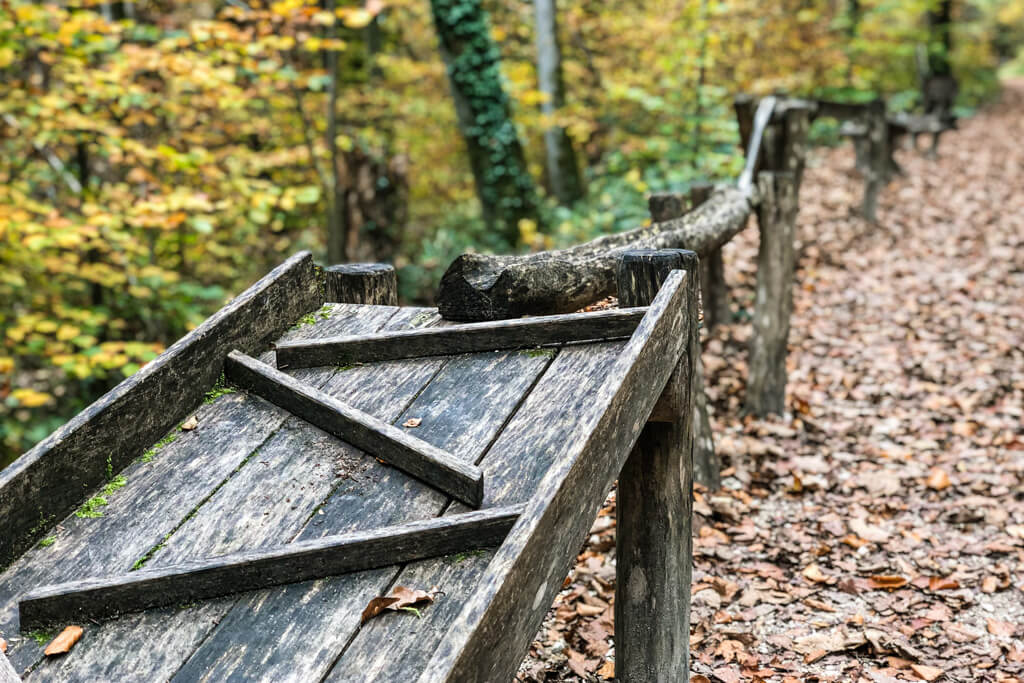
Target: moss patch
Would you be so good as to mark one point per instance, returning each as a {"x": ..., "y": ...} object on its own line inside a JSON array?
[{"x": 92, "y": 507}]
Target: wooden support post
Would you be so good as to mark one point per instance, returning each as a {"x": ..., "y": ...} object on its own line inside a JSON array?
[
  {"x": 714, "y": 292},
  {"x": 877, "y": 165},
  {"x": 361, "y": 283},
  {"x": 654, "y": 506},
  {"x": 103, "y": 598},
  {"x": 773, "y": 303}
]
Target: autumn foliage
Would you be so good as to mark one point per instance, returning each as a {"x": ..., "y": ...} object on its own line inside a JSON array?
[{"x": 155, "y": 157}]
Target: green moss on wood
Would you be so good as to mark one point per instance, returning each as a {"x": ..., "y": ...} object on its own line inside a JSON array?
[{"x": 93, "y": 507}]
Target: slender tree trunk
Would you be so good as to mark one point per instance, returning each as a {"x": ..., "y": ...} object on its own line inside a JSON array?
[
  {"x": 336, "y": 197},
  {"x": 563, "y": 174},
  {"x": 506, "y": 191},
  {"x": 698, "y": 111},
  {"x": 940, "y": 44}
]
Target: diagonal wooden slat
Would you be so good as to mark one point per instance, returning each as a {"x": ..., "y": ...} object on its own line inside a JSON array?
[
  {"x": 456, "y": 339},
  {"x": 396, "y": 447},
  {"x": 103, "y": 598}
]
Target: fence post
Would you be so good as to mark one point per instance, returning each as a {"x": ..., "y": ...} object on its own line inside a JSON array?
[
  {"x": 665, "y": 206},
  {"x": 877, "y": 167},
  {"x": 361, "y": 283},
  {"x": 654, "y": 553},
  {"x": 778, "y": 190},
  {"x": 714, "y": 292}
]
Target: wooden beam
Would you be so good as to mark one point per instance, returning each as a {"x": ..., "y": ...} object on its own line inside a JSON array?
[
  {"x": 488, "y": 639},
  {"x": 654, "y": 555},
  {"x": 455, "y": 339},
  {"x": 103, "y": 598},
  {"x": 8, "y": 674},
  {"x": 48, "y": 482},
  {"x": 378, "y": 438}
]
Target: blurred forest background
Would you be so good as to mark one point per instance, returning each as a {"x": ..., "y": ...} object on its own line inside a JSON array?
[{"x": 157, "y": 157}]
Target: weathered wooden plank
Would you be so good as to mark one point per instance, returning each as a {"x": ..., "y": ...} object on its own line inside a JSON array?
[
  {"x": 453, "y": 339},
  {"x": 482, "y": 287},
  {"x": 488, "y": 639},
  {"x": 542, "y": 432},
  {"x": 378, "y": 438},
  {"x": 160, "y": 491},
  {"x": 361, "y": 283},
  {"x": 7, "y": 672},
  {"x": 298, "y": 631},
  {"x": 103, "y": 598},
  {"x": 653, "y": 556},
  {"x": 50, "y": 480}
]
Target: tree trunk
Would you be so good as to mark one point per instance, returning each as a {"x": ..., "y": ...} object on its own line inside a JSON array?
[
  {"x": 563, "y": 175},
  {"x": 481, "y": 287},
  {"x": 336, "y": 195},
  {"x": 503, "y": 184}
]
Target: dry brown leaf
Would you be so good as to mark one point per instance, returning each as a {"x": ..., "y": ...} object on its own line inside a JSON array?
[
  {"x": 937, "y": 583},
  {"x": 190, "y": 424},
  {"x": 927, "y": 673},
  {"x": 812, "y": 657},
  {"x": 607, "y": 671},
  {"x": 399, "y": 598},
  {"x": 412, "y": 422},
  {"x": 64, "y": 642},
  {"x": 859, "y": 526},
  {"x": 813, "y": 573},
  {"x": 3, "y": 645},
  {"x": 989, "y": 584},
  {"x": 699, "y": 678},
  {"x": 1000, "y": 628},
  {"x": 887, "y": 582},
  {"x": 938, "y": 479},
  {"x": 376, "y": 606},
  {"x": 727, "y": 674}
]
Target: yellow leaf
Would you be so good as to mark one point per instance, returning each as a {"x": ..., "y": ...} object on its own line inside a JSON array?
[
  {"x": 30, "y": 398},
  {"x": 354, "y": 17}
]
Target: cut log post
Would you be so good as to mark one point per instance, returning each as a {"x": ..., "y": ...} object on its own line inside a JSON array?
[
  {"x": 654, "y": 508},
  {"x": 361, "y": 283},
  {"x": 877, "y": 170},
  {"x": 773, "y": 303},
  {"x": 714, "y": 292},
  {"x": 480, "y": 287}
]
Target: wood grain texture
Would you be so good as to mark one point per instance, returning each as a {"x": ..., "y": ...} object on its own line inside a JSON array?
[
  {"x": 361, "y": 283},
  {"x": 364, "y": 431},
  {"x": 455, "y": 339},
  {"x": 543, "y": 431},
  {"x": 7, "y": 672},
  {"x": 164, "y": 494},
  {"x": 50, "y": 480},
  {"x": 773, "y": 299},
  {"x": 654, "y": 509},
  {"x": 298, "y": 631},
  {"x": 480, "y": 287},
  {"x": 103, "y": 598},
  {"x": 488, "y": 639}
]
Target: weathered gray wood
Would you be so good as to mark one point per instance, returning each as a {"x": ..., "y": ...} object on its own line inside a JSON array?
[
  {"x": 103, "y": 598},
  {"x": 756, "y": 146},
  {"x": 773, "y": 302},
  {"x": 50, "y": 480},
  {"x": 7, "y": 672},
  {"x": 265, "y": 502},
  {"x": 364, "y": 431},
  {"x": 654, "y": 555},
  {"x": 160, "y": 491},
  {"x": 654, "y": 501},
  {"x": 877, "y": 169},
  {"x": 482, "y": 287},
  {"x": 454, "y": 339},
  {"x": 298, "y": 631},
  {"x": 664, "y": 206},
  {"x": 361, "y": 283},
  {"x": 488, "y": 639}
]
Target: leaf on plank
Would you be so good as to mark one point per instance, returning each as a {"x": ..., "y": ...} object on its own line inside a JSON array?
[
  {"x": 64, "y": 642},
  {"x": 400, "y": 598}
]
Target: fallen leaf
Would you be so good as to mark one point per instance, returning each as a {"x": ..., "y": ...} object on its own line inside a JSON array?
[
  {"x": 887, "y": 582},
  {"x": 412, "y": 422},
  {"x": 812, "y": 657},
  {"x": 726, "y": 674},
  {"x": 938, "y": 479},
  {"x": 190, "y": 424},
  {"x": 399, "y": 598},
  {"x": 927, "y": 673},
  {"x": 607, "y": 671},
  {"x": 813, "y": 573},
  {"x": 3, "y": 645},
  {"x": 64, "y": 642},
  {"x": 1000, "y": 628},
  {"x": 936, "y": 583},
  {"x": 872, "y": 533},
  {"x": 989, "y": 584}
]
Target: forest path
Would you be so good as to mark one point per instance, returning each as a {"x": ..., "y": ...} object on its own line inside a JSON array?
[{"x": 876, "y": 533}]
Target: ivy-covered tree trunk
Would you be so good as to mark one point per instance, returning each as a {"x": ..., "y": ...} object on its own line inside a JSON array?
[
  {"x": 563, "y": 175},
  {"x": 503, "y": 184}
]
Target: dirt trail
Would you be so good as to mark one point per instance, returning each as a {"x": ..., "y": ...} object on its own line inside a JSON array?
[{"x": 875, "y": 533}]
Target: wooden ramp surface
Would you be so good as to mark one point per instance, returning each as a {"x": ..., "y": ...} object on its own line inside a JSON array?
[{"x": 251, "y": 475}]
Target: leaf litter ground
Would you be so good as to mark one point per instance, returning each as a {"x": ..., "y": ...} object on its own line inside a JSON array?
[{"x": 874, "y": 533}]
